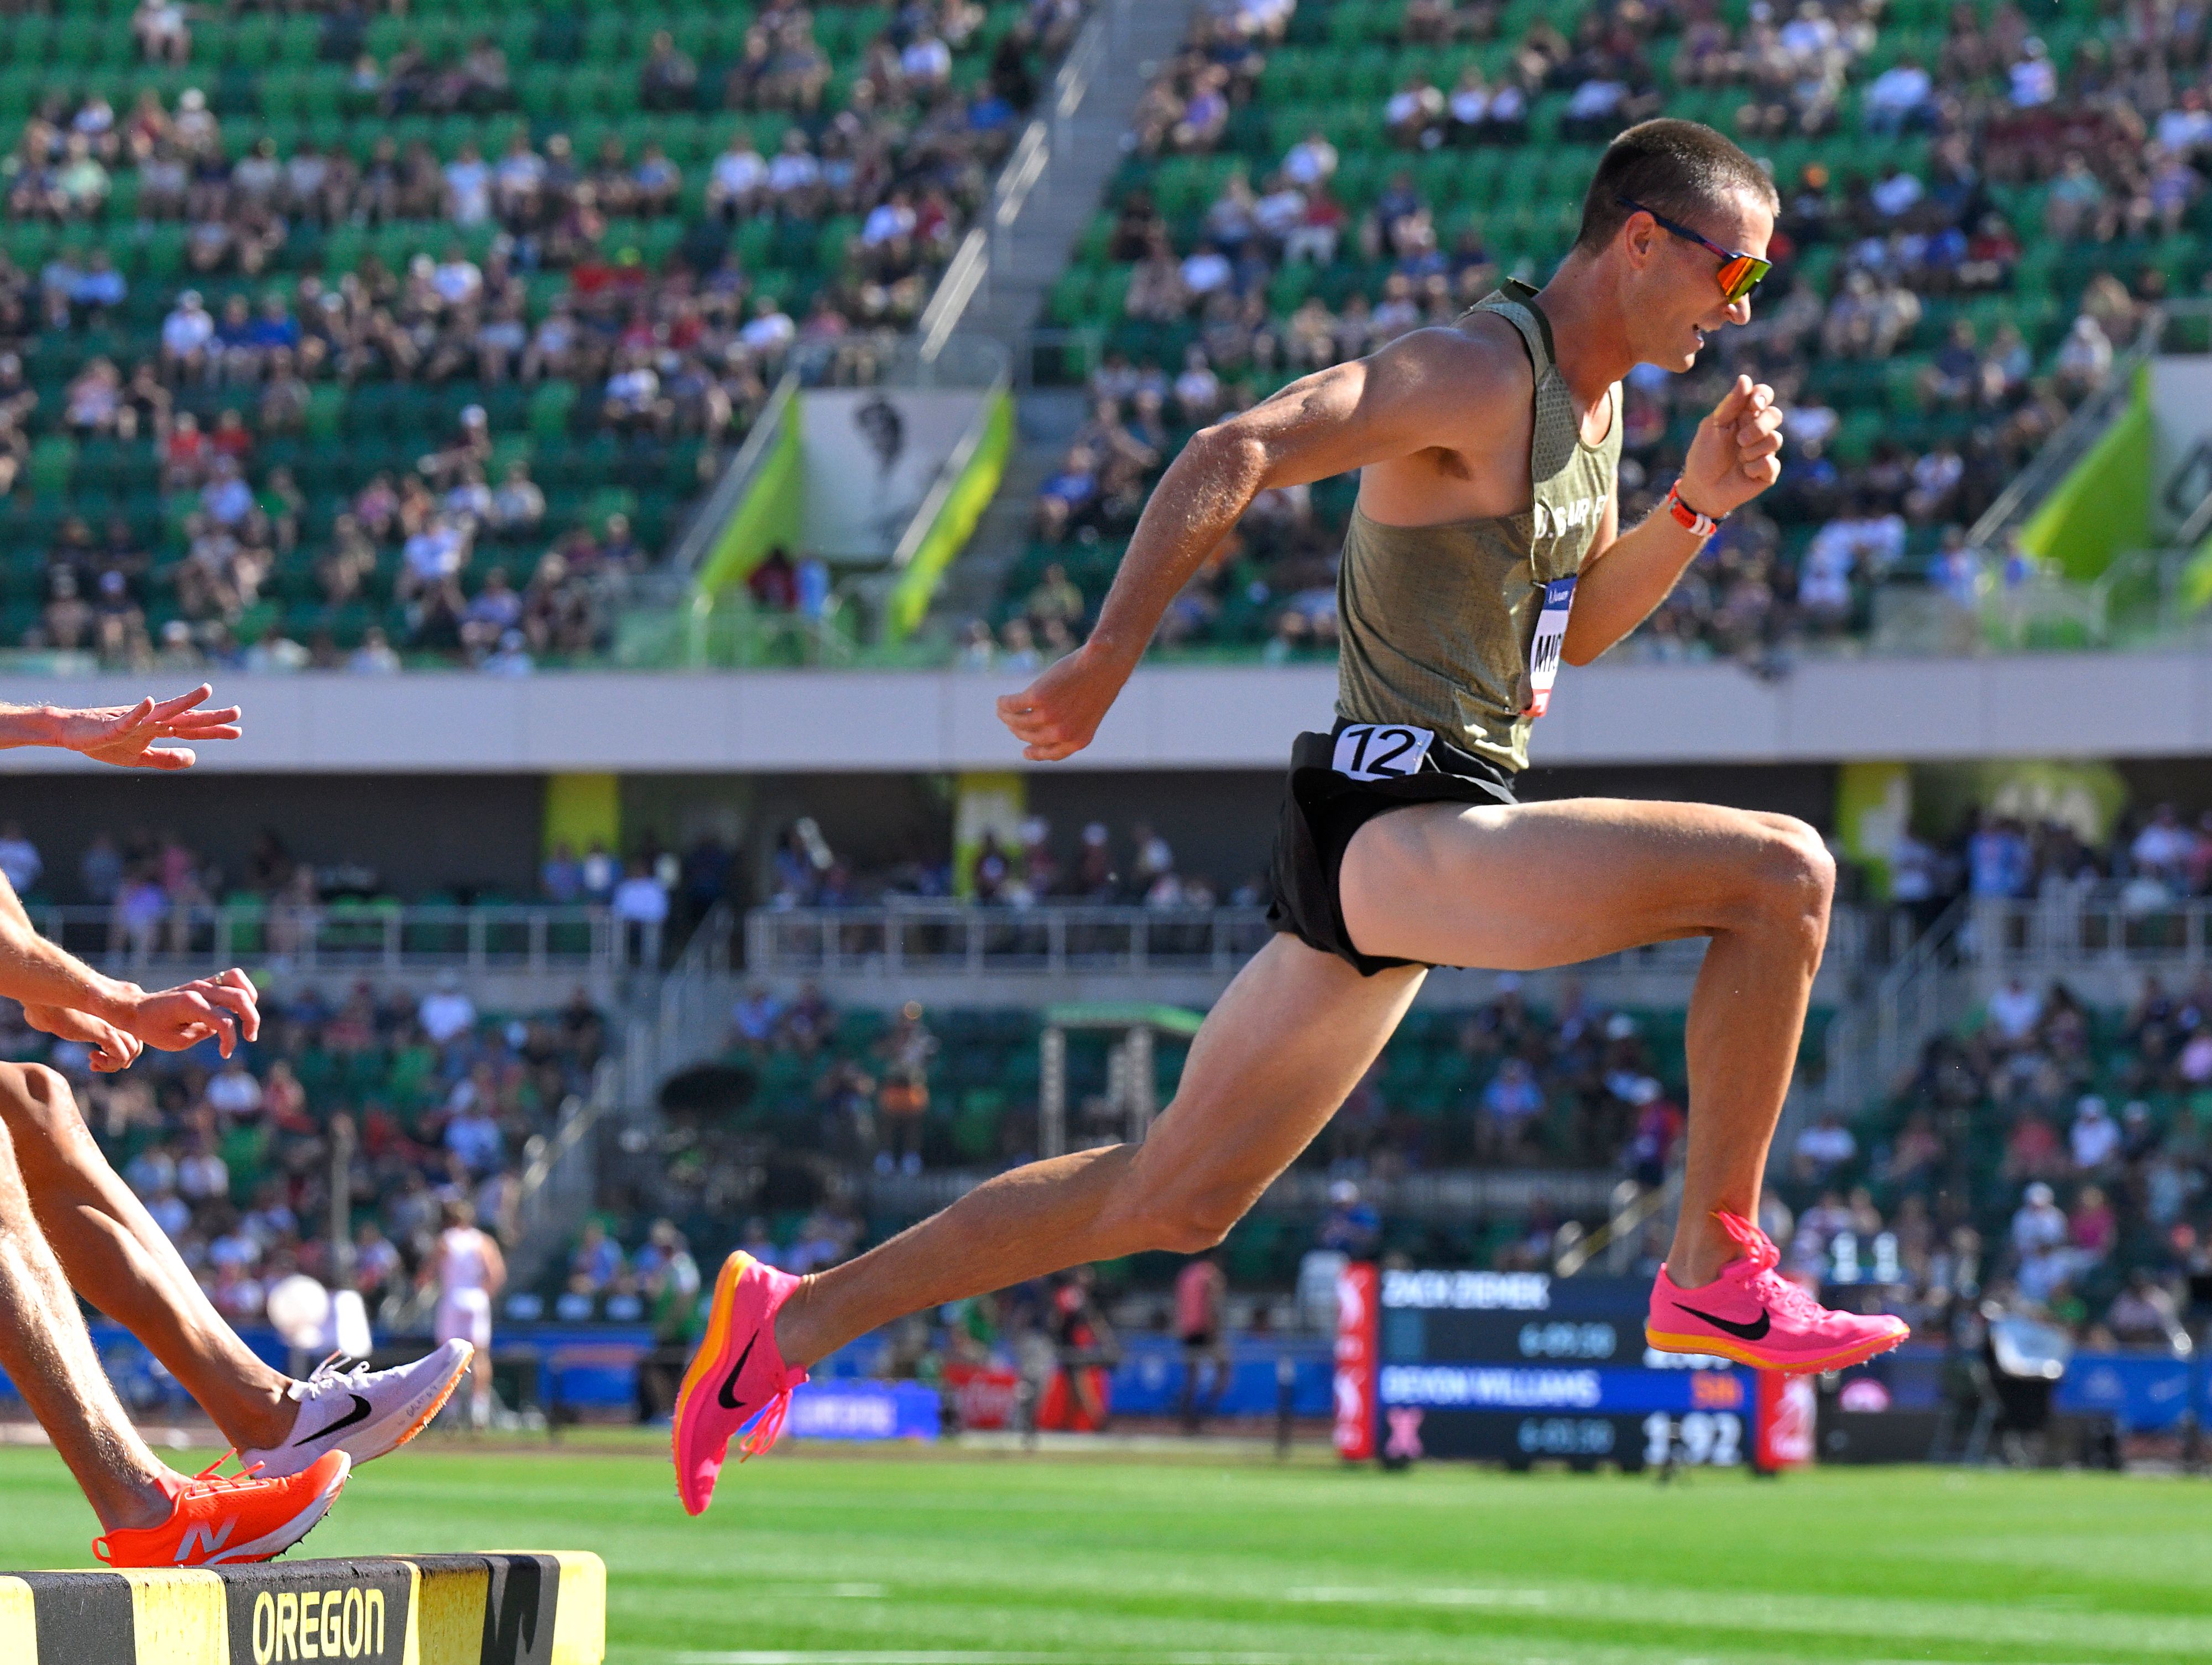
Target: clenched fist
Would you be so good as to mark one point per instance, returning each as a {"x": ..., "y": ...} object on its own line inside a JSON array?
[{"x": 1735, "y": 457}]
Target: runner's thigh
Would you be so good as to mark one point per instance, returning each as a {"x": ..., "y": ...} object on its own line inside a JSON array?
[
  {"x": 1518, "y": 887},
  {"x": 1280, "y": 1052}
]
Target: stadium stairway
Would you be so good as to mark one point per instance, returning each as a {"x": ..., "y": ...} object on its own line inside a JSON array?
[
  {"x": 519, "y": 1609},
  {"x": 1086, "y": 150},
  {"x": 1026, "y": 258}
]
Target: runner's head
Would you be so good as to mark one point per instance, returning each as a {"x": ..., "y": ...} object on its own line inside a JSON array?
[
  {"x": 460, "y": 1212},
  {"x": 1678, "y": 220}
]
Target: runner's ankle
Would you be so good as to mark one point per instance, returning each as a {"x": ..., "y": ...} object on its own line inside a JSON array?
[{"x": 264, "y": 1423}]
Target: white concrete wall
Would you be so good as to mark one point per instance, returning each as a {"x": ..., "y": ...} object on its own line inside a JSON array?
[{"x": 2023, "y": 706}]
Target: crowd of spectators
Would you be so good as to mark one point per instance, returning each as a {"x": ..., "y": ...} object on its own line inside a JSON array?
[
  {"x": 1028, "y": 867},
  {"x": 2118, "y": 136},
  {"x": 2149, "y": 861},
  {"x": 2053, "y": 1156},
  {"x": 237, "y": 1160},
  {"x": 670, "y": 340}
]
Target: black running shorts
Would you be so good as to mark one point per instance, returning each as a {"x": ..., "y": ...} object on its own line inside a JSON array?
[{"x": 1325, "y": 803}]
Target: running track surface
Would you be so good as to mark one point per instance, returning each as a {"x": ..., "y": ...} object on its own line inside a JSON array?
[{"x": 1226, "y": 1558}]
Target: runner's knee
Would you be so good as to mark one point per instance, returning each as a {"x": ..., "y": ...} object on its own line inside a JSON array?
[{"x": 1792, "y": 875}]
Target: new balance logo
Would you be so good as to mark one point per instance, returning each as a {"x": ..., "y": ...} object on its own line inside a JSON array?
[{"x": 201, "y": 1542}]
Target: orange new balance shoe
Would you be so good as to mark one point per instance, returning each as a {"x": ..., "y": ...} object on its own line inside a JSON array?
[{"x": 222, "y": 1521}]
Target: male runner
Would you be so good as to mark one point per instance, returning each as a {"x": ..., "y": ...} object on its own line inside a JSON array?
[
  {"x": 66, "y": 1217},
  {"x": 1485, "y": 546}
]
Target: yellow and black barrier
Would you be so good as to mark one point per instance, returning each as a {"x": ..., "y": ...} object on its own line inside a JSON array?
[{"x": 507, "y": 1609}]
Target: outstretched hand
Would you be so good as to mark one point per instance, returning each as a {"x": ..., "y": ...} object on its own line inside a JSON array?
[
  {"x": 1734, "y": 455},
  {"x": 1056, "y": 716},
  {"x": 112, "y": 1048},
  {"x": 171, "y": 1019},
  {"x": 130, "y": 736}
]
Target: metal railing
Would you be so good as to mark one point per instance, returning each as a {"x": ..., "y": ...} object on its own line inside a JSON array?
[
  {"x": 1047, "y": 941},
  {"x": 1055, "y": 938},
  {"x": 344, "y": 936},
  {"x": 2053, "y": 935},
  {"x": 1978, "y": 942}
]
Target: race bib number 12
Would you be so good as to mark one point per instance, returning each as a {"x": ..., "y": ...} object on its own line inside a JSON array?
[
  {"x": 1380, "y": 751},
  {"x": 1544, "y": 652}
]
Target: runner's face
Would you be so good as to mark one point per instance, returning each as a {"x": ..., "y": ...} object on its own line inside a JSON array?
[{"x": 1684, "y": 305}]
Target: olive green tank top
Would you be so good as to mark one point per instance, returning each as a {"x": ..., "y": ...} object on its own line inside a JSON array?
[{"x": 1437, "y": 623}]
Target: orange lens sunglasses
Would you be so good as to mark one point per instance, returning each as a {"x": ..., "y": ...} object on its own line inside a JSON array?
[{"x": 1739, "y": 274}]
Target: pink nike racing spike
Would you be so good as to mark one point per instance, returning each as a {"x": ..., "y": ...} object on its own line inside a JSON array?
[
  {"x": 736, "y": 1378},
  {"x": 1753, "y": 1315}
]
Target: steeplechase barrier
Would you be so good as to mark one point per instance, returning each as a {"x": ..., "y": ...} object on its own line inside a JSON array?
[{"x": 522, "y": 1608}]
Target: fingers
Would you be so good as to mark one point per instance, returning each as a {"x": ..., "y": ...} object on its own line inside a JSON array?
[
  {"x": 1734, "y": 402},
  {"x": 168, "y": 710},
  {"x": 1028, "y": 723},
  {"x": 137, "y": 717},
  {"x": 208, "y": 725},
  {"x": 234, "y": 992},
  {"x": 166, "y": 757}
]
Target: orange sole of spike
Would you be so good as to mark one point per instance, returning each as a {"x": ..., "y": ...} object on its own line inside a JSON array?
[
  {"x": 438, "y": 1404},
  {"x": 711, "y": 1346},
  {"x": 1713, "y": 1345}
]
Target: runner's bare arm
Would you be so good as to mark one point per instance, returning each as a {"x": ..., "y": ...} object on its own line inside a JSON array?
[
  {"x": 1731, "y": 461},
  {"x": 126, "y": 736},
  {"x": 43, "y": 975},
  {"x": 1424, "y": 390}
]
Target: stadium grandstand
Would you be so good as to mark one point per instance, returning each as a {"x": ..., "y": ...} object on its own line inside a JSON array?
[{"x": 618, "y": 459}]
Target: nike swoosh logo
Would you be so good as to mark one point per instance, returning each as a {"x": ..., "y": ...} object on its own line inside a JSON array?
[
  {"x": 1753, "y": 1331},
  {"x": 727, "y": 1398},
  {"x": 361, "y": 1413}
]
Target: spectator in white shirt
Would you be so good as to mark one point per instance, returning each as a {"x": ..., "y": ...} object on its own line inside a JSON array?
[
  {"x": 1826, "y": 1144},
  {"x": 203, "y": 1176},
  {"x": 888, "y": 221},
  {"x": 1900, "y": 97},
  {"x": 433, "y": 555},
  {"x": 1204, "y": 270},
  {"x": 2039, "y": 1224},
  {"x": 468, "y": 186},
  {"x": 641, "y": 901},
  {"x": 1312, "y": 160},
  {"x": 926, "y": 63},
  {"x": 1897, "y": 191},
  {"x": 2034, "y": 78},
  {"x": 794, "y": 167},
  {"x": 457, "y": 279},
  {"x": 735, "y": 182},
  {"x": 2163, "y": 849},
  {"x": 519, "y": 504},
  {"x": 375, "y": 656},
  {"x": 446, "y": 1011},
  {"x": 2188, "y": 126},
  {"x": 770, "y": 329},
  {"x": 233, "y": 1091},
  {"x": 2016, "y": 1008},
  {"x": 186, "y": 331},
  {"x": 2094, "y": 1136}
]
